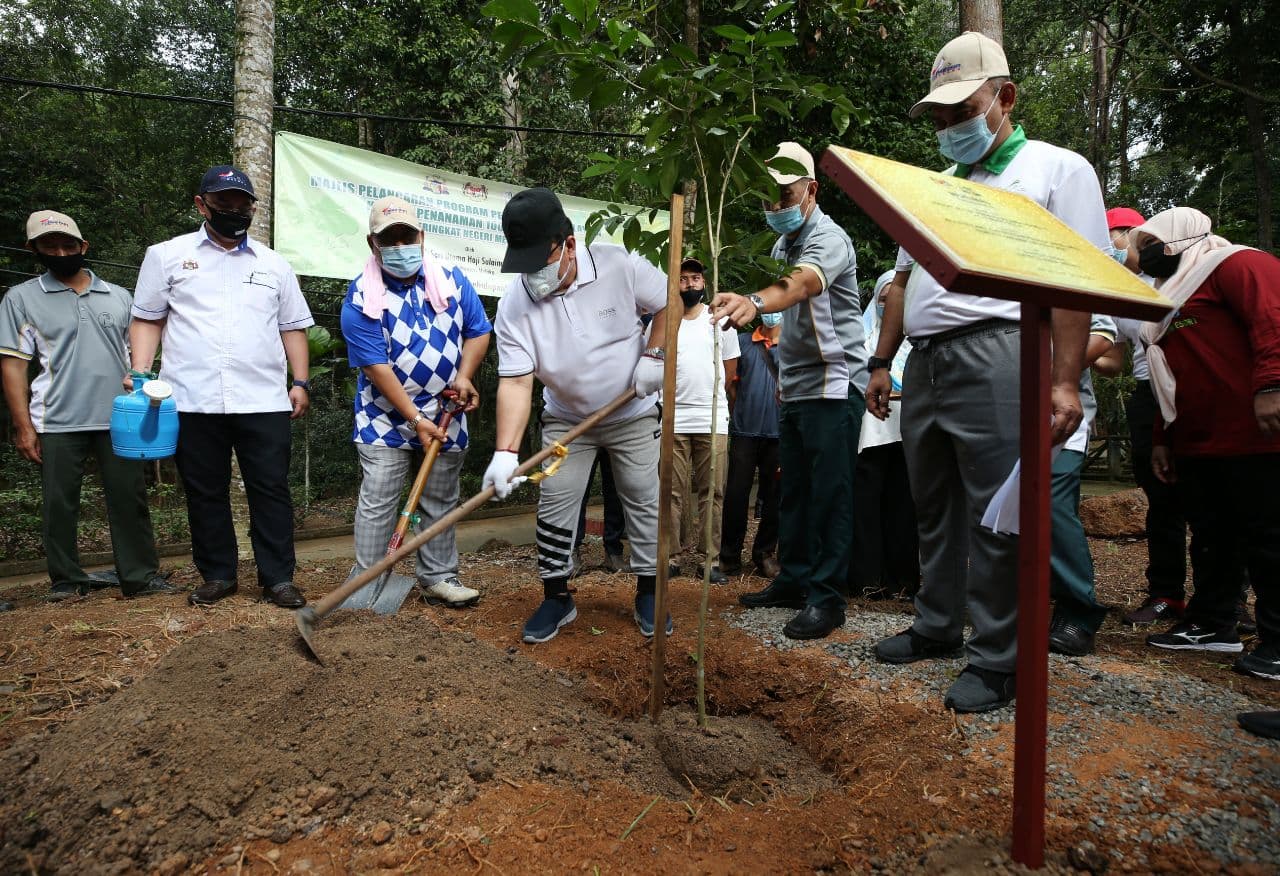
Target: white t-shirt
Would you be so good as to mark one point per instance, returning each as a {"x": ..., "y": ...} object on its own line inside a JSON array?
[
  {"x": 695, "y": 375},
  {"x": 1057, "y": 179},
  {"x": 584, "y": 344},
  {"x": 1128, "y": 330}
]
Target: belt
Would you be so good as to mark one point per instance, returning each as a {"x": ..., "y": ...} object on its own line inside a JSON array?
[{"x": 981, "y": 327}]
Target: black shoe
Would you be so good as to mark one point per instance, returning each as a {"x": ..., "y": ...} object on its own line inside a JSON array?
[
  {"x": 814, "y": 623},
  {"x": 103, "y": 580},
  {"x": 774, "y": 596},
  {"x": 1262, "y": 662},
  {"x": 157, "y": 586},
  {"x": 59, "y": 592},
  {"x": 1069, "y": 638},
  {"x": 909, "y": 646},
  {"x": 211, "y": 591},
  {"x": 717, "y": 577},
  {"x": 980, "y": 690},
  {"x": 768, "y": 567},
  {"x": 1190, "y": 636},
  {"x": 284, "y": 595},
  {"x": 730, "y": 566},
  {"x": 1264, "y": 724}
]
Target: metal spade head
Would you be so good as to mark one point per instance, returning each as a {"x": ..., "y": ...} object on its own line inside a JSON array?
[{"x": 305, "y": 618}]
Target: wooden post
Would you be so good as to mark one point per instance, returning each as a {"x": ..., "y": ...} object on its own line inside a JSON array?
[
  {"x": 657, "y": 688},
  {"x": 1031, "y": 724}
]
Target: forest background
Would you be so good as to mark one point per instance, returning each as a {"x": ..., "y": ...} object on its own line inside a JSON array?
[{"x": 1173, "y": 101}]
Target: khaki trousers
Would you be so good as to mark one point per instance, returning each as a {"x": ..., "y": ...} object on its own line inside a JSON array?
[{"x": 690, "y": 477}]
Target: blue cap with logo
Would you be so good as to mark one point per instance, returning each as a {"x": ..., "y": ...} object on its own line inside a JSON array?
[{"x": 225, "y": 178}]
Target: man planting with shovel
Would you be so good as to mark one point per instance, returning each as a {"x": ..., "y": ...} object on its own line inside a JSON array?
[
  {"x": 414, "y": 329},
  {"x": 572, "y": 319}
]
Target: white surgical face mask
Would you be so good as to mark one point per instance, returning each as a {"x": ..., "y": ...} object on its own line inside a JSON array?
[{"x": 546, "y": 281}]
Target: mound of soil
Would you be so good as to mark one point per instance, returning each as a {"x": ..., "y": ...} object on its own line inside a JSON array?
[
  {"x": 237, "y": 733},
  {"x": 1118, "y": 515}
]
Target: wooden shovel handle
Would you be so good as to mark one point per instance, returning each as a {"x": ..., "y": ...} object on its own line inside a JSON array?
[{"x": 326, "y": 604}]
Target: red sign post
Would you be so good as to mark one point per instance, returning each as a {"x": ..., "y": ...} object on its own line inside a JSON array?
[{"x": 975, "y": 239}]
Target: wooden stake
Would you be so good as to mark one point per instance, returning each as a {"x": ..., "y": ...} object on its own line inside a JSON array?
[{"x": 657, "y": 687}]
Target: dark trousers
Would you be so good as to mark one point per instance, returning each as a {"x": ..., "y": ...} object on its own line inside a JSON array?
[
  {"x": 749, "y": 457},
  {"x": 1231, "y": 504},
  {"x": 615, "y": 521},
  {"x": 133, "y": 544},
  {"x": 819, "y": 454},
  {"x": 1166, "y": 528},
  {"x": 1070, "y": 563},
  {"x": 886, "y": 544},
  {"x": 261, "y": 444}
]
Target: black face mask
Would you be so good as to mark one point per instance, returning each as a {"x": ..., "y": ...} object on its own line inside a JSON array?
[
  {"x": 1155, "y": 262},
  {"x": 228, "y": 224},
  {"x": 62, "y": 265},
  {"x": 691, "y": 297}
]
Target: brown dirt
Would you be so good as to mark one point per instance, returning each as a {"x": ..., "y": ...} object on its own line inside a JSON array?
[
  {"x": 154, "y": 736},
  {"x": 1116, "y": 515}
]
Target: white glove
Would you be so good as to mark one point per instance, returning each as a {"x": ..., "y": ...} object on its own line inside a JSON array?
[
  {"x": 647, "y": 378},
  {"x": 498, "y": 474}
]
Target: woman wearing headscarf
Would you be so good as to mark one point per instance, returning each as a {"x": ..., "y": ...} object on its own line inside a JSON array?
[{"x": 1215, "y": 369}]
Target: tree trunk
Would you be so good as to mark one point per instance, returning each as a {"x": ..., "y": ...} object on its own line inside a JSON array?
[
  {"x": 1123, "y": 136},
  {"x": 984, "y": 16},
  {"x": 509, "y": 86},
  {"x": 1100, "y": 117},
  {"x": 254, "y": 102},
  {"x": 692, "y": 24},
  {"x": 364, "y": 133},
  {"x": 1261, "y": 170}
]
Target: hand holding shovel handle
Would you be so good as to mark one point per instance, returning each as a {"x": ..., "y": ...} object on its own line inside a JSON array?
[{"x": 308, "y": 616}]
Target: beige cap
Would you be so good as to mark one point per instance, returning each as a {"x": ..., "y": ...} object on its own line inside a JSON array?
[
  {"x": 796, "y": 153},
  {"x": 44, "y": 222},
  {"x": 390, "y": 211},
  {"x": 961, "y": 68}
]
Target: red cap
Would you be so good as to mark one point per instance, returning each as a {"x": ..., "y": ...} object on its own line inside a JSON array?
[{"x": 1123, "y": 217}]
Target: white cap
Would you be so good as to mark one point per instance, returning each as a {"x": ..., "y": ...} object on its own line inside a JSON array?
[
  {"x": 796, "y": 153},
  {"x": 390, "y": 211},
  {"x": 962, "y": 67},
  {"x": 44, "y": 222}
]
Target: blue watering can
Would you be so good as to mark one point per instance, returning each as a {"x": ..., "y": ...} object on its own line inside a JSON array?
[{"x": 144, "y": 423}]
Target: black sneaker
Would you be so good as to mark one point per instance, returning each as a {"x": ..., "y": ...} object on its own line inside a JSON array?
[
  {"x": 1262, "y": 662},
  {"x": 980, "y": 690},
  {"x": 59, "y": 592},
  {"x": 1069, "y": 638},
  {"x": 1189, "y": 636},
  {"x": 909, "y": 646},
  {"x": 552, "y": 614},
  {"x": 774, "y": 596}
]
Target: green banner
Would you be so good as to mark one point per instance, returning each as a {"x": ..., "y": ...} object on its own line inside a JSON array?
[{"x": 323, "y": 192}]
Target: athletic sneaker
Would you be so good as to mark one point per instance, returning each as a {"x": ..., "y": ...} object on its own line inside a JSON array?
[
  {"x": 909, "y": 646},
  {"x": 450, "y": 592},
  {"x": 1188, "y": 636},
  {"x": 1262, "y": 662},
  {"x": 644, "y": 615},
  {"x": 555, "y": 612},
  {"x": 980, "y": 690},
  {"x": 1156, "y": 608}
]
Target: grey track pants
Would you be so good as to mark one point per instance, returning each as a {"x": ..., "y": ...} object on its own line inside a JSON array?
[
  {"x": 633, "y": 452},
  {"x": 960, "y": 433}
]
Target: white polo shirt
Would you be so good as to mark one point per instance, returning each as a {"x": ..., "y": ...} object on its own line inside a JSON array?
[
  {"x": 224, "y": 310},
  {"x": 1057, "y": 179},
  {"x": 583, "y": 344}
]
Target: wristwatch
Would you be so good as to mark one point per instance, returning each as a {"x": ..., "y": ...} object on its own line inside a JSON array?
[
  {"x": 413, "y": 424},
  {"x": 655, "y": 353},
  {"x": 305, "y": 384},
  {"x": 874, "y": 363},
  {"x": 757, "y": 301}
]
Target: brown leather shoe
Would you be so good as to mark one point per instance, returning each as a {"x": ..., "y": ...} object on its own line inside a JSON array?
[
  {"x": 211, "y": 591},
  {"x": 768, "y": 567},
  {"x": 284, "y": 595}
]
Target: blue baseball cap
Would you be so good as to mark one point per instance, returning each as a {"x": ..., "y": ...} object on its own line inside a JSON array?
[{"x": 225, "y": 178}]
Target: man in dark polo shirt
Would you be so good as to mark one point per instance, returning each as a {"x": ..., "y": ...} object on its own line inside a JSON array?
[{"x": 74, "y": 324}]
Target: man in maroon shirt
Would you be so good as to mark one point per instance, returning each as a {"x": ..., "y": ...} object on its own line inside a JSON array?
[{"x": 1215, "y": 368}]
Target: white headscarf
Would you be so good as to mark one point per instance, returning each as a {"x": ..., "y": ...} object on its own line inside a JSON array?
[{"x": 1184, "y": 230}]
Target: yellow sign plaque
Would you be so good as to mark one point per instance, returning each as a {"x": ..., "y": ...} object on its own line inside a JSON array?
[{"x": 982, "y": 240}]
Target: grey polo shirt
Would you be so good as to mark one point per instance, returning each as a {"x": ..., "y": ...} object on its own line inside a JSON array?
[
  {"x": 81, "y": 343},
  {"x": 822, "y": 348}
]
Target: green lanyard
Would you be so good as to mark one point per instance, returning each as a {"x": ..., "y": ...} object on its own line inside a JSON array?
[{"x": 1000, "y": 159}]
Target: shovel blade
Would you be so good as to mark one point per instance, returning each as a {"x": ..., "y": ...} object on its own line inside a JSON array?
[
  {"x": 305, "y": 618},
  {"x": 383, "y": 595}
]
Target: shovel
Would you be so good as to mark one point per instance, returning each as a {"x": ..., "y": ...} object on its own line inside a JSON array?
[
  {"x": 388, "y": 592},
  {"x": 309, "y": 615}
]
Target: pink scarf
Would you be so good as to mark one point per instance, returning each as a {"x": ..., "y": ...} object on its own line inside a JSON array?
[
  {"x": 375, "y": 290},
  {"x": 1201, "y": 256}
]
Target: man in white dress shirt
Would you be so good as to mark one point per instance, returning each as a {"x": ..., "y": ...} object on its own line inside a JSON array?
[{"x": 230, "y": 313}]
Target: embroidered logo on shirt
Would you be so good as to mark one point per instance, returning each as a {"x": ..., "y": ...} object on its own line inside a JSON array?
[
  {"x": 190, "y": 265},
  {"x": 607, "y": 313},
  {"x": 106, "y": 320}
]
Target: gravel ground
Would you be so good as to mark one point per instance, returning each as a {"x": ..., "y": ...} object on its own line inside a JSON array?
[{"x": 1155, "y": 798}]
